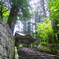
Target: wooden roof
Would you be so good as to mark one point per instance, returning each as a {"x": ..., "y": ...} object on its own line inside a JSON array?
[{"x": 24, "y": 38}]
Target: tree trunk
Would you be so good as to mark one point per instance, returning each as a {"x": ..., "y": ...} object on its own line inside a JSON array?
[
  {"x": 44, "y": 8},
  {"x": 58, "y": 37},
  {"x": 12, "y": 15},
  {"x": 49, "y": 40},
  {"x": 55, "y": 28}
]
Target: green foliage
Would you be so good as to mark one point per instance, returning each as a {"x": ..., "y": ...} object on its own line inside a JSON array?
[
  {"x": 19, "y": 9},
  {"x": 45, "y": 31},
  {"x": 43, "y": 42},
  {"x": 4, "y": 10},
  {"x": 24, "y": 6},
  {"x": 53, "y": 6},
  {"x": 5, "y": 14},
  {"x": 57, "y": 24}
]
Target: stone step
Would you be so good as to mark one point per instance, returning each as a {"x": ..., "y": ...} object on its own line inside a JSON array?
[
  {"x": 26, "y": 53},
  {"x": 41, "y": 57},
  {"x": 26, "y": 57},
  {"x": 32, "y": 56}
]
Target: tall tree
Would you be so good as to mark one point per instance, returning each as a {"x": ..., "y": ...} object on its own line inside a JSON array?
[
  {"x": 18, "y": 7},
  {"x": 54, "y": 16},
  {"x": 40, "y": 12},
  {"x": 42, "y": 2}
]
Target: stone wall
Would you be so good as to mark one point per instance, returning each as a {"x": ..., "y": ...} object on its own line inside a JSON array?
[{"x": 6, "y": 41}]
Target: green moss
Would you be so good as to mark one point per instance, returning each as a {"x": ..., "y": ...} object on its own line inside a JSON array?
[{"x": 50, "y": 48}]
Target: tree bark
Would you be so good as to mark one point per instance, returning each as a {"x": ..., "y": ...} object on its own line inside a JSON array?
[{"x": 12, "y": 15}]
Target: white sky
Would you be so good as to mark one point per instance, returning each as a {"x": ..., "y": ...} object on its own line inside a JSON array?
[{"x": 32, "y": 3}]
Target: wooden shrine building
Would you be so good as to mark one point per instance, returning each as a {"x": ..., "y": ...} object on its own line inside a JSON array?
[{"x": 25, "y": 39}]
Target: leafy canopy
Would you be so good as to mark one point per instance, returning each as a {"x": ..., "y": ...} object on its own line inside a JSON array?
[
  {"x": 53, "y": 5},
  {"x": 45, "y": 31},
  {"x": 23, "y": 6}
]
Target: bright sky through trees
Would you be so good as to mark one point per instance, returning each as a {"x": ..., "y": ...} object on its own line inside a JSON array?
[{"x": 19, "y": 25}]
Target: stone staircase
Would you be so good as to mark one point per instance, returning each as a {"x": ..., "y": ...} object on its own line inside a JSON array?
[{"x": 30, "y": 53}]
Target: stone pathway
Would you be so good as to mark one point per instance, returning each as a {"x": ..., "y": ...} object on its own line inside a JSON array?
[{"x": 30, "y": 53}]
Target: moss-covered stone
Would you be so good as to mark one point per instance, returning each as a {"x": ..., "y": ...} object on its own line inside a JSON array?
[{"x": 53, "y": 48}]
